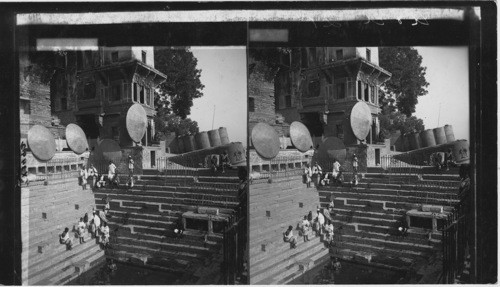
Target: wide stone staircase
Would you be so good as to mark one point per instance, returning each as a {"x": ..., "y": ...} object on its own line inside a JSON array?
[
  {"x": 274, "y": 205},
  {"x": 367, "y": 216},
  {"x": 45, "y": 211},
  {"x": 142, "y": 220}
]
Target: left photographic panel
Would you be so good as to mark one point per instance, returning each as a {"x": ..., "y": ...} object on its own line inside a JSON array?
[{"x": 133, "y": 157}]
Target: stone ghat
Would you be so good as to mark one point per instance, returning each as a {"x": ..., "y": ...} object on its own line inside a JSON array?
[
  {"x": 274, "y": 205},
  {"x": 45, "y": 211},
  {"x": 143, "y": 218},
  {"x": 367, "y": 216}
]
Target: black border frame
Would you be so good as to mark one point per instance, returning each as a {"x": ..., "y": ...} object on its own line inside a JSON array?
[{"x": 480, "y": 35}]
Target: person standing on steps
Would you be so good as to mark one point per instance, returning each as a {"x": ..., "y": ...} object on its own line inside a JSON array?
[
  {"x": 92, "y": 175},
  {"x": 112, "y": 173},
  {"x": 288, "y": 237},
  {"x": 97, "y": 225},
  {"x": 316, "y": 174},
  {"x": 321, "y": 222},
  {"x": 130, "y": 171},
  {"x": 305, "y": 228},
  {"x": 105, "y": 234},
  {"x": 354, "y": 170},
  {"x": 336, "y": 172},
  {"x": 83, "y": 177},
  {"x": 81, "y": 230},
  {"x": 307, "y": 175}
]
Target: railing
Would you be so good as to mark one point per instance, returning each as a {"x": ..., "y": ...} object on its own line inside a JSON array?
[
  {"x": 102, "y": 164},
  {"x": 397, "y": 167},
  {"x": 180, "y": 165}
]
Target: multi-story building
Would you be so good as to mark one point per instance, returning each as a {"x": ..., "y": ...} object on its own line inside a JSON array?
[
  {"x": 109, "y": 81},
  {"x": 95, "y": 89},
  {"x": 320, "y": 85}
]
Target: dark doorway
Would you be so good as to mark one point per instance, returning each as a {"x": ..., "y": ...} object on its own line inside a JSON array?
[
  {"x": 88, "y": 125},
  {"x": 153, "y": 158},
  {"x": 313, "y": 123},
  {"x": 377, "y": 156}
]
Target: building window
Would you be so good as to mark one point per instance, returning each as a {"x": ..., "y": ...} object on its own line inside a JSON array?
[
  {"x": 148, "y": 97},
  {"x": 288, "y": 101},
  {"x": 251, "y": 104},
  {"x": 372, "y": 94},
  {"x": 25, "y": 107},
  {"x": 360, "y": 90},
  {"x": 339, "y": 54},
  {"x": 329, "y": 91},
  {"x": 341, "y": 91},
  {"x": 116, "y": 92},
  {"x": 141, "y": 95},
  {"x": 368, "y": 54},
  {"x": 88, "y": 91},
  {"x": 143, "y": 54},
  {"x": 135, "y": 92},
  {"x": 367, "y": 93},
  {"x": 114, "y": 57},
  {"x": 313, "y": 89}
]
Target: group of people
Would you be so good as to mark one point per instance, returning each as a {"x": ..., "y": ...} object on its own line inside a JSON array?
[
  {"x": 218, "y": 162},
  {"x": 97, "y": 225},
  {"x": 96, "y": 180},
  {"x": 315, "y": 173},
  {"x": 319, "y": 225},
  {"x": 442, "y": 160}
]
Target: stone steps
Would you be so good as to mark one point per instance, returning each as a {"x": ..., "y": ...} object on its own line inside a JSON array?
[
  {"x": 278, "y": 263},
  {"x": 176, "y": 198},
  {"x": 294, "y": 271},
  {"x": 157, "y": 263},
  {"x": 52, "y": 250},
  {"x": 179, "y": 246},
  {"x": 277, "y": 246},
  {"x": 413, "y": 235},
  {"x": 55, "y": 265},
  {"x": 183, "y": 258},
  {"x": 194, "y": 238},
  {"x": 401, "y": 199}
]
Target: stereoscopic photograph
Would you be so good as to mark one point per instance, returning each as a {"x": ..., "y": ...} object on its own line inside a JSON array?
[
  {"x": 359, "y": 163},
  {"x": 196, "y": 145},
  {"x": 134, "y": 163}
]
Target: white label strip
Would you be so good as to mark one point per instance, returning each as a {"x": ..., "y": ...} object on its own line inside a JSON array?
[{"x": 380, "y": 14}]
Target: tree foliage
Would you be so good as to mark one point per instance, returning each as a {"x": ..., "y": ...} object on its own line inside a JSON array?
[
  {"x": 168, "y": 123},
  {"x": 394, "y": 121},
  {"x": 183, "y": 83},
  {"x": 408, "y": 77},
  {"x": 269, "y": 59}
]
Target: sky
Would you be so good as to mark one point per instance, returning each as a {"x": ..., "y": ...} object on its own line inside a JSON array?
[
  {"x": 448, "y": 99},
  {"x": 223, "y": 72}
]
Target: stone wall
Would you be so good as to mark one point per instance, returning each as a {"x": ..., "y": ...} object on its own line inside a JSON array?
[
  {"x": 262, "y": 92},
  {"x": 275, "y": 205},
  {"x": 45, "y": 211}
]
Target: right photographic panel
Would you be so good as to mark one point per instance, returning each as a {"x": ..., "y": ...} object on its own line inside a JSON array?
[{"x": 360, "y": 165}]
